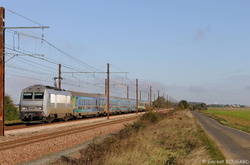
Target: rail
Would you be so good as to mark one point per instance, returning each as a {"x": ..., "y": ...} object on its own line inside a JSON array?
[{"x": 33, "y": 139}]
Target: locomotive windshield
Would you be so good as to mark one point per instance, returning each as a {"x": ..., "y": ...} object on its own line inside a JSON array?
[
  {"x": 38, "y": 95},
  {"x": 27, "y": 95}
]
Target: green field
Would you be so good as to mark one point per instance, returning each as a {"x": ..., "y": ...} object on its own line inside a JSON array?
[{"x": 238, "y": 118}]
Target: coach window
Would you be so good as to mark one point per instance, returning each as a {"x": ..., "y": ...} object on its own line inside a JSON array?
[
  {"x": 27, "y": 95},
  {"x": 38, "y": 95}
]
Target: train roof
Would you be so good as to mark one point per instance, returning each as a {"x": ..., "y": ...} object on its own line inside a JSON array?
[
  {"x": 76, "y": 94},
  {"x": 39, "y": 86},
  {"x": 82, "y": 94}
]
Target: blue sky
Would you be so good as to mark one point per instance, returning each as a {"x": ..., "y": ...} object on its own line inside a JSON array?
[{"x": 192, "y": 50}]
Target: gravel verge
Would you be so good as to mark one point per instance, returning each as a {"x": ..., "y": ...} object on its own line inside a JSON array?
[{"x": 35, "y": 151}]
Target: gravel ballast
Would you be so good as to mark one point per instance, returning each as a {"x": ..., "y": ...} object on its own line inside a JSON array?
[{"x": 37, "y": 150}]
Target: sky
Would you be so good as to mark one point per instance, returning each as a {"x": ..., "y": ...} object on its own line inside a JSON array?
[{"x": 190, "y": 50}]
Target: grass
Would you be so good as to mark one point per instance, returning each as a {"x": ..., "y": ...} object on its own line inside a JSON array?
[
  {"x": 238, "y": 118},
  {"x": 214, "y": 152},
  {"x": 153, "y": 140},
  {"x": 12, "y": 121}
]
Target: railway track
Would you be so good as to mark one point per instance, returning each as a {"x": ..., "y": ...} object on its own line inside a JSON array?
[
  {"x": 33, "y": 139},
  {"x": 23, "y": 125}
]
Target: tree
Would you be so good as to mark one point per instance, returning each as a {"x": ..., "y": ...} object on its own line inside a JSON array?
[
  {"x": 183, "y": 104},
  {"x": 204, "y": 106},
  {"x": 10, "y": 111},
  {"x": 160, "y": 102},
  {"x": 201, "y": 106}
]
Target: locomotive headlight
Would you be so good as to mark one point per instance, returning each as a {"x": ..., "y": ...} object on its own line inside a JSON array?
[
  {"x": 24, "y": 108},
  {"x": 39, "y": 108}
]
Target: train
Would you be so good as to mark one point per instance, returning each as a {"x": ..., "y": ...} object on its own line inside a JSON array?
[{"x": 44, "y": 104}]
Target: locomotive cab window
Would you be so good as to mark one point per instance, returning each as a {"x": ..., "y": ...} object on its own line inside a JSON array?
[
  {"x": 27, "y": 95},
  {"x": 38, "y": 95}
]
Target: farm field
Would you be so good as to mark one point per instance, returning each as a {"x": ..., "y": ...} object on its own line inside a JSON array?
[{"x": 238, "y": 118}]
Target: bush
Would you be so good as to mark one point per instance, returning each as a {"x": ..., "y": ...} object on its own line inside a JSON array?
[
  {"x": 151, "y": 117},
  {"x": 201, "y": 106},
  {"x": 183, "y": 104},
  {"x": 10, "y": 111}
]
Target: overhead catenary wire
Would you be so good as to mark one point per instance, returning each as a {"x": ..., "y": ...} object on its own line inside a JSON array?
[
  {"x": 23, "y": 17},
  {"x": 61, "y": 51},
  {"x": 93, "y": 81}
]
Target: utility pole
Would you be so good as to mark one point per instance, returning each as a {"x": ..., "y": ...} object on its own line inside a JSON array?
[
  {"x": 140, "y": 94},
  {"x": 136, "y": 96},
  {"x": 2, "y": 65},
  {"x": 105, "y": 90},
  {"x": 108, "y": 91},
  {"x": 2, "y": 68},
  {"x": 150, "y": 97},
  {"x": 107, "y": 85},
  {"x": 59, "y": 77},
  {"x": 158, "y": 99},
  {"x": 127, "y": 92},
  {"x": 167, "y": 101},
  {"x": 170, "y": 103}
]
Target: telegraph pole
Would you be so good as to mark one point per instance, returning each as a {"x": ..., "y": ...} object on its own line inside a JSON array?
[
  {"x": 2, "y": 65},
  {"x": 150, "y": 97},
  {"x": 2, "y": 68},
  {"x": 170, "y": 103},
  {"x": 107, "y": 84},
  {"x": 108, "y": 91},
  {"x": 127, "y": 92},
  {"x": 59, "y": 77},
  {"x": 140, "y": 94},
  {"x": 105, "y": 90},
  {"x": 136, "y": 96},
  {"x": 158, "y": 99},
  {"x": 167, "y": 101}
]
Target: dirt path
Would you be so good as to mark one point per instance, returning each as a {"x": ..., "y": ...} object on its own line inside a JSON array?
[{"x": 233, "y": 143}]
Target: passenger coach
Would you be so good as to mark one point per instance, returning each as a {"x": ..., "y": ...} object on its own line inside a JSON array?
[{"x": 41, "y": 103}]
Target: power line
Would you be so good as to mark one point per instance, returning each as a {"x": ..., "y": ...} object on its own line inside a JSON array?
[
  {"x": 24, "y": 17},
  {"x": 94, "y": 79}
]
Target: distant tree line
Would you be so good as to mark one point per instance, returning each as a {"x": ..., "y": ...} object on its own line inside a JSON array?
[
  {"x": 199, "y": 106},
  {"x": 183, "y": 104},
  {"x": 161, "y": 102}
]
